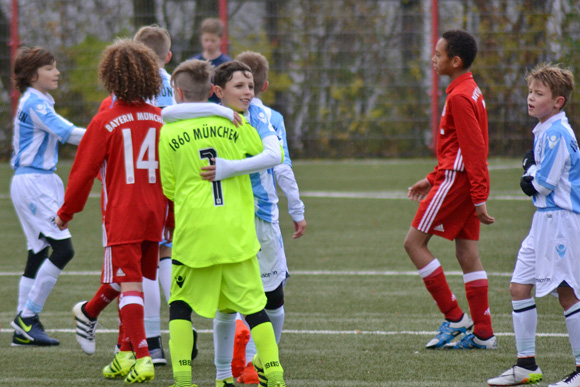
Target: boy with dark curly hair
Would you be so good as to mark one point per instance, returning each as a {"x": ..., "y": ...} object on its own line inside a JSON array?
[{"x": 121, "y": 145}]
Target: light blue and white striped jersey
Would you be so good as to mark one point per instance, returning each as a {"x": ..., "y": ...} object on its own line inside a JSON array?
[
  {"x": 284, "y": 176},
  {"x": 556, "y": 149},
  {"x": 263, "y": 182},
  {"x": 166, "y": 96},
  {"x": 37, "y": 131}
]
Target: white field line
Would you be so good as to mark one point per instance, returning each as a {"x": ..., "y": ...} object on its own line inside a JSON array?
[
  {"x": 294, "y": 272},
  {"x": 392, "y": 195},
  {"x": 312, "y": 332}
]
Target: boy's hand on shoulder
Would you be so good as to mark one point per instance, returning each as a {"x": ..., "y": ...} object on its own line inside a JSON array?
[
  {"x": 237, "y": 121},
  {"x": 482, "y": 214}
]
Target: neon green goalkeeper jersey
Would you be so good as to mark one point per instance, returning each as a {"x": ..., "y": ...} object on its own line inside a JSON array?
[{"x": 214, "y": 221}]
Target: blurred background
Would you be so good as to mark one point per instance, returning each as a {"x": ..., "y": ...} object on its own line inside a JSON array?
[{"x": 352, "y": 77}]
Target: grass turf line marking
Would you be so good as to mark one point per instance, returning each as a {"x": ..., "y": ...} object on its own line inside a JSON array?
[
  {"x": 313, "y": 332},
  {"x": 294, "y": 272}
]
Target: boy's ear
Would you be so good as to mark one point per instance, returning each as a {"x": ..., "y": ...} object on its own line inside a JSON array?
[
  {"x": 178, "y": 95},
  {"x": 219, "y": 92},
  {"x": 457, "y": 62},
  {"x": 168, "y": 57},
  {"x": 265, "y": 87},
  {"x": 560, "y": 101},
  {"x": 212, "y": 91}
]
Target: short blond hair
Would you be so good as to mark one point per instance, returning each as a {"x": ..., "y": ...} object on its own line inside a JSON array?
[
  {"x": 559, "y": 80},
  {"x": 156, "y": 38},
  {"x": 259, "y": 66},
  {"x": 193, "y": 77},
  {"x": 212, "y": 25}
]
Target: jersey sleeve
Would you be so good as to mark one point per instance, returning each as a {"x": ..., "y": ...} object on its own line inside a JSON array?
[
  {"x": 287, "y": 183},
  {"x": 472, "y": 146},
  {"x": 45, "y": 118},
  {"x": 90, "y": 157},
  {"x": 553, "y": 161},
  {"x": 166, "y": 165},
  {"x": 253, "y": 141}
]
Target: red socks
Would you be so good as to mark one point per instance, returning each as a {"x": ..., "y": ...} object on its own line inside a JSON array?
[
  {"x": 104, "y": 296},
  {"x": 436, "y": 284},
  {"x": 132, "y": 314},
  {"x": 479, "y": 307}
]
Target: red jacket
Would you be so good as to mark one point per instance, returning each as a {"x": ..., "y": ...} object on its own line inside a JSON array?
[
  {"x": 121, "y": 145},
  {"x": 462, "y": 141}
]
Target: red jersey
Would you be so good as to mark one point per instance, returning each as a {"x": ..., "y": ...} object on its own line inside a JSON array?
[
  {"x": 462, "y": 142},
  {"x": 122, "y": 145}
]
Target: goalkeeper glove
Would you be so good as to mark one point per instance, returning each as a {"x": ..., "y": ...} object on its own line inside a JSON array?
[
  {"x": 527, "y": 186},
  {"x": 528, "y": 160}
]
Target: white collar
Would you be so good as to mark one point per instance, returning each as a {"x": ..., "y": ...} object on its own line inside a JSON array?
[{"x": 543, "y": 126}]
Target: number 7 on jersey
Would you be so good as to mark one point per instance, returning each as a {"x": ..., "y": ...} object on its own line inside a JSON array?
[{"x": 218, "y": 196}]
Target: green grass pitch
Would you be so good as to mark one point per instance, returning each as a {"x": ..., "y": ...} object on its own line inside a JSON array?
[{"x": 357, "y": 314}]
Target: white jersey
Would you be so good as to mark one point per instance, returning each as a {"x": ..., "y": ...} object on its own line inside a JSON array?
[
  {"x": 37, "y": 131},
  {"x": 264, "y": 182},
  {"x": 557, "y": 177},
  {"x": 166, "y": 96}
]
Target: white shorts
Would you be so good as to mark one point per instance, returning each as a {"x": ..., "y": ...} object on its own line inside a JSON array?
[
  {"x": 36, "y": 199},
  {"x": 550, "y": 254},
  {"x": 271, "y": 256}
]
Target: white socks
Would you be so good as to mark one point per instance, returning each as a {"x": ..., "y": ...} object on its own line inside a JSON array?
[{"x": 525, "y": 320}]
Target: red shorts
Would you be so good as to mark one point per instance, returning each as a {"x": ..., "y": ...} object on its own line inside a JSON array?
[
  {"x": 448, "y": 211},
  {"x": 130, "y": 262}
]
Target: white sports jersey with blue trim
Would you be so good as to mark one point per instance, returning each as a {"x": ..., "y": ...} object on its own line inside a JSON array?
[
  {"x": 263, "y": 182},
  {"x": 37, "y": 131},
  {"x": 556, "y": 149},
  {"x": 166, "y": 96},
  {"x": 284, "y": 176}
]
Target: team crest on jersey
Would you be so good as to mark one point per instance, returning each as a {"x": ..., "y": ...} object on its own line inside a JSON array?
[
  {"x": 553, "y": 141},
  {"x": 561, "y": 249},
  {"x": 41, "y": 108},
  {"x": 262, "y": 117}
]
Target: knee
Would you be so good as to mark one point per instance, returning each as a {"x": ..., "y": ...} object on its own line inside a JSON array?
[
  {"x": 520, "y": 291},
  {"x": 256, "y": 319},
  {"x": 566, "y": 297},
  {"x": 275, "y": 298},
  {"x": 408, "y": 244},
  {"x": 179, "y": 310},
  {"x": 62, "y": 252},
  {"x": 34, "y": 261}
]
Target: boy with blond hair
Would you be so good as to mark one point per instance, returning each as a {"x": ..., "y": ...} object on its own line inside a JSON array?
[
  {"x": 208, "y": 274},
  {"x": 549, "y": 256}
]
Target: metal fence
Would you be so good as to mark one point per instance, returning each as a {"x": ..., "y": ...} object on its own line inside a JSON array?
[{"x": 351, "y": 77}]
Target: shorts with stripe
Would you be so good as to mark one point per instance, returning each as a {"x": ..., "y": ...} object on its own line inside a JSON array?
[
  {"x": 448, "y": 210},
  {"x": 130, "y": 262},
  {"x": 228, "y": 287},
  {"x": 549, "y": 256},
  {"x": 36, "y": 198},
  {"x": 272, "y": 259}
]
